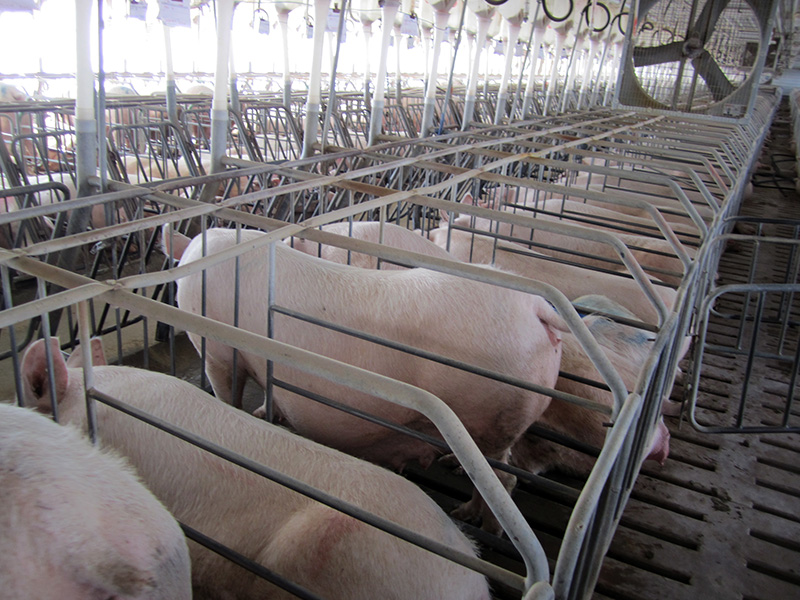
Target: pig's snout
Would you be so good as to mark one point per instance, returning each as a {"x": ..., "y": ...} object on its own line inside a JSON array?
[{"x": 659, "y": 447}]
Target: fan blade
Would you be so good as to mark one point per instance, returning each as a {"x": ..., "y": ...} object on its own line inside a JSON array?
[
  {"x": 707, "y": 20},
  {"x": 715, "y": 79},
  {"x": 655, "y": 55}
]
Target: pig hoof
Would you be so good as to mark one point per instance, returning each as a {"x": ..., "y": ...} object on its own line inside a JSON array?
[
  {"x": 260, "y": 412},
  {"x": 467, "y": 512},
  {"x": 671, "y": 408},
  {"x": 449, "y": 461}
]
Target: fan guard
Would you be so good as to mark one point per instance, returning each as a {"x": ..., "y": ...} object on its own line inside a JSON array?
[{"x": 695, "y": 56}]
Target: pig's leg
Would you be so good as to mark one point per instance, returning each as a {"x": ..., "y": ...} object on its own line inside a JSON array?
[
  {"x": 220, "y": 374},
  {"x": 476, "y": 509}
]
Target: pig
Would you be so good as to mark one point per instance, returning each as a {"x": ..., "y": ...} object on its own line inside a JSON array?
[
  {"x": 393, "y": 236},
  {"x": 77, "y": 523},
  {"x": 656, "y": 194},
  {"x": 572, "y": 280},
  {"x": 13, "y": 124},
  {"x": 323, "y": 550},
  {"x": 654, "y": 255},
  {"x": 511, "y": 332},
  {"x": 641, "y": 221},
  {"x": 143, "y": 168},
  {"x": 627, "y": 348}
]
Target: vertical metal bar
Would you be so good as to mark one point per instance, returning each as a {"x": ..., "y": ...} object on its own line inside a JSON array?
[
  {"x": 750, "y": 356},
  {"x": 269, "y": 400},
  {"x": 6, "y": 281},
  {"x": 84, "y": 332},
  {"x": 42, "y": 293}
]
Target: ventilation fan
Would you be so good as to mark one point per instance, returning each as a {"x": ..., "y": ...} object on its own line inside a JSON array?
[{"x": 696, "y": 56}]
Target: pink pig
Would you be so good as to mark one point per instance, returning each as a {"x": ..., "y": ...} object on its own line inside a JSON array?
[
  {"x": 626, "y": 347},
  {"x": 77, "y": 523},
  {"x": 511, "y": 332},
  {"x": 319, "y": 548}
]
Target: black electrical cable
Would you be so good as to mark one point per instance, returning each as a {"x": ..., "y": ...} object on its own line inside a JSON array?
[
  {"x": 557, "y": 19},
  {"x": 496, "y": 2},
  {"x": 585, "y": 13},
  {"x": 618, "y": 18}
]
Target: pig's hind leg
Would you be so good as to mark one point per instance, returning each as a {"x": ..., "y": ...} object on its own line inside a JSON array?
[
  {"x": 221, "y": 375},
  {"x": 476, "y": 510}
]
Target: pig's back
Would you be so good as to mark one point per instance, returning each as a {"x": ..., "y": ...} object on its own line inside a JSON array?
[
  {"x": 75, "y": 519},
  {"x": 262, "y": 506}
]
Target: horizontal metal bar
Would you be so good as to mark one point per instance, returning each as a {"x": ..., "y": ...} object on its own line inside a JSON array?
[
  {"x": 450, "y": 362},
  {"x": 471, "y": 562}
]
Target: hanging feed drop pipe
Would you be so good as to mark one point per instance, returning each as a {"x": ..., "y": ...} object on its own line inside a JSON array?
[
  {"x": 441, "y": 16},
  {"x": 376, "y": 116},
  {"x": 172, "y": 102},
  {"x": 513, "y": 26},
  {"x": 332, "y": 89},
  {"x": 530, "y": 88},
  {"x": 219, "y": 103},
  {"x": 452, "y": 69},
  {"x": 484, "y": 19},
  {"x": 314, "y": 100}
]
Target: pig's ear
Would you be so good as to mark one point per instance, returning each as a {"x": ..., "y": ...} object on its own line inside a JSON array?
[
  {"x": 35, "y": 380},
  {"x": 468, "y": 199},
  {"x": 75, "y": 360}
]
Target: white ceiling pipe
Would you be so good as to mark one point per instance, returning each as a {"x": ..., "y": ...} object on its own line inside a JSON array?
[
  {"x": 219, "y": 101},
  {"x": 233, "y": 89},
  {"x": 587, "y": 70},
  {"x": 389, "y": 11},
  {"x": 398, "y": 80},
  {"x": 513, "y": 24},
  {"x": 572, "y": 68},
  {"x": 530, "y": 87},
  {"x": 172, "y": 103},
  {"x": 284, "y": 8},
  {"x": 367, "y": 28},
  {"x": 514, "y": 12},
  {"x": 494, "y": 31},
  {"x": 441, "y": 16},
  {"x": 552, "y": 82},
  {"x": 613, "y": 72},
  {"x": 85, "y": 124},
  {"x": 314, "y": 99},
  {"x": 367, "y": 15},
  {"x": 502, "y": 94},
  {"x": 484, "y": 20}
]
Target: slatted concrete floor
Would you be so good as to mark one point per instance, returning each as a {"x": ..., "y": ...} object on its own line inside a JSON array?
[{"x": 721, "y": 519}]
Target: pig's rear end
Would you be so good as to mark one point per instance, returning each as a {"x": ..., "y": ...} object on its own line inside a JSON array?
[{"x": 77, "y": 524}]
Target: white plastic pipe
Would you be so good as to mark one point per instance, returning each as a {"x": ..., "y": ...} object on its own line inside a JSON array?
[
  {"x": 440, "y": 18},
  {"x": 502, "y": 94},
  {"x": 172, "y": 102},
  {"x": 553, "y": 81},
  {"x": 530, "y": 87},
  {"x": 84, "y": 100},
  {"x": 283, "y": 20},
  {"x": 398, "y": 80},
  {"x": 314, "y": 99},
  {"x": 219, "y": 102},
  {"x": 367, "y": 71},
  {"x": 472, "y": 85},
  {"x": 587, "y": 70},
  {"x": 376, "y": 116}
]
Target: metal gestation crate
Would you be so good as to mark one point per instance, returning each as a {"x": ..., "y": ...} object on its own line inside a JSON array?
[
  {"x": 557, "y": 522},
  {"x": 747, "y": 329}
]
